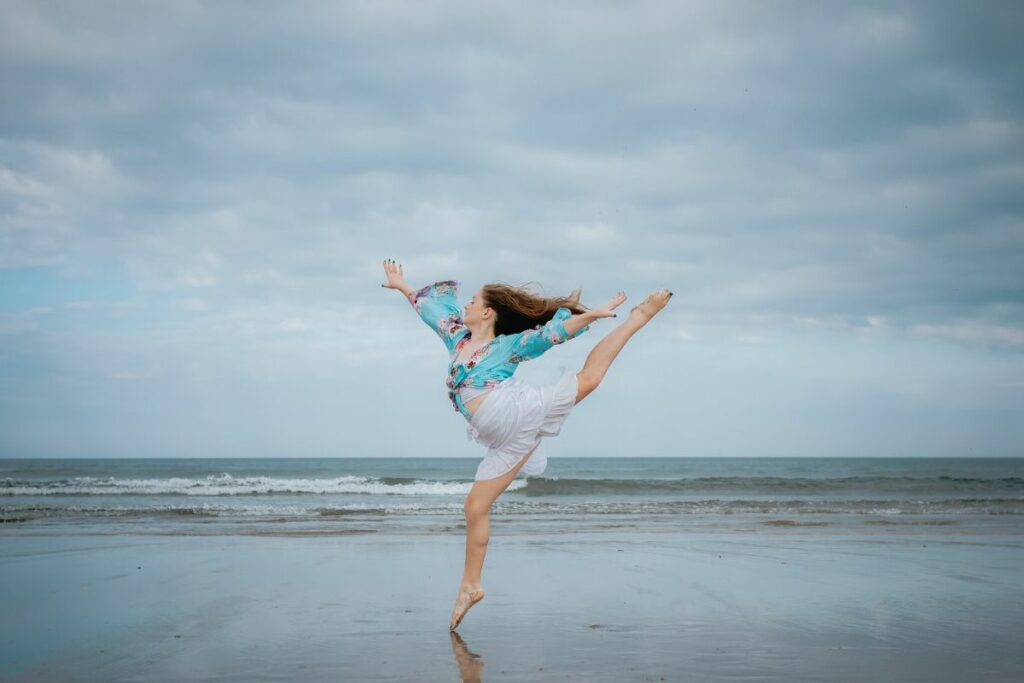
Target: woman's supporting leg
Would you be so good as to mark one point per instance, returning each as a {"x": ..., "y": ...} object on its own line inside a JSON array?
[
  {"x": 602, "y": 355},
  {"x": 478, "y": 533}
]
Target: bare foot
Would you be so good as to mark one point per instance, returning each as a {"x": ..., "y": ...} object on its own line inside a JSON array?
[
  {"x": 646, "y": 309},
  {"x": 467, "y": 598}
]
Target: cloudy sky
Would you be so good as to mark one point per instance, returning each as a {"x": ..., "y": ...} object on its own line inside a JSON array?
[{"x": 195, "y": 200}]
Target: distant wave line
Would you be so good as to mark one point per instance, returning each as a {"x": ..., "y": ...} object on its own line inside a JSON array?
[
  {"x": 229, "y": 485},
  {"x": 710, "y": 507}
]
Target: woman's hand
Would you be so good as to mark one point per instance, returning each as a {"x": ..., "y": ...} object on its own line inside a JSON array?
[
  {"x": 606, "y": 310},
  {"x": 393, "y": 271}
]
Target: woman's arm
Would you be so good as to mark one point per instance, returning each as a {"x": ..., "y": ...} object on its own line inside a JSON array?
[
  {"x": 533, "y": 343},
  {"x": 579, "y": 321},
  {"x": 437, "y": 304},
  {"x": 562, "y": 327}
]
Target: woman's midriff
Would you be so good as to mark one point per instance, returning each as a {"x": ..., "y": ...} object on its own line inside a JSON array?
[{"x": 475, "y": 403}]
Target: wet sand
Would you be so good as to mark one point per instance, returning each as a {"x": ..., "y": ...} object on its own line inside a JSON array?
[{"x": 597, "y": 607}]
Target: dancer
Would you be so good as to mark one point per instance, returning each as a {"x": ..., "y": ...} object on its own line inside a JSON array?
[{"x": 501, "y": 327}]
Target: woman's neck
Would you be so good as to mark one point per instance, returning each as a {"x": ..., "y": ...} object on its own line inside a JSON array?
[{"x": 481, "y": 334}]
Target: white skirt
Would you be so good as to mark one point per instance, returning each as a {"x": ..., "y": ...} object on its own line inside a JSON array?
[{"x": 514, "y": 418}]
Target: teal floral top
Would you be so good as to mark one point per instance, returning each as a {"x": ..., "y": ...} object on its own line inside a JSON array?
[{"x": 495, "y": 361}]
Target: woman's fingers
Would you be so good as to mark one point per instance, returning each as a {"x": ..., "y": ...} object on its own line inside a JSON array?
[
  {"x": 617, "y": 300},
  {"x": 606, "y": 311},
  {"x": 393, "y": 270}
]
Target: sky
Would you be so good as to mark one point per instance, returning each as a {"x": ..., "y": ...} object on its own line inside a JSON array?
[{"x": 196, "y": 199}]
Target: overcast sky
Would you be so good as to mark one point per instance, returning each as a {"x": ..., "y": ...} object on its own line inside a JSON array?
[{"x": 195, "y": 200}]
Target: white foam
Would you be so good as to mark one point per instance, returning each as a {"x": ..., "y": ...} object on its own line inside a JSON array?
[{"x": 228, "y": 485}]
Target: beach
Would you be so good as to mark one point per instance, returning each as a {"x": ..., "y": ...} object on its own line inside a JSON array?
[
  {"x": 618, "y": 569},
  {"x": 735, "y": 289},
  {"x": 609, "y": 606}
]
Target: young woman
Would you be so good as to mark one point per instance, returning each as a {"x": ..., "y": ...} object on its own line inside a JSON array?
[{"x": 503, "y": 326}]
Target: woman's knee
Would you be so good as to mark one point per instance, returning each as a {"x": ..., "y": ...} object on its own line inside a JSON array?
[{"x": 475, "y": 507}]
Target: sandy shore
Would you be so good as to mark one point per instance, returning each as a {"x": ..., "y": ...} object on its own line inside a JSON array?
[{"x": 595, "y": 607}]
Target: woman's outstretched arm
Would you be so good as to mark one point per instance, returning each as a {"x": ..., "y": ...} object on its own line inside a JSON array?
[
  {"x": 581, "y": 320},
  {"x": 437, "y": 304},
  {"x": 562, "y": 327}
]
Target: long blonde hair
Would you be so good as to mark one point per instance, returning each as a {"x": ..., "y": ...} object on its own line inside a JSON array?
[{"x": 519, "y": 309}]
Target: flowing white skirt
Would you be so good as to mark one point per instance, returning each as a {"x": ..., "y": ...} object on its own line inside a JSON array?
[{"x": 513, "y": 420}]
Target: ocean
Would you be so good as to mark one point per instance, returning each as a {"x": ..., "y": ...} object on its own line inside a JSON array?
[{"x": 285, "y": 496}]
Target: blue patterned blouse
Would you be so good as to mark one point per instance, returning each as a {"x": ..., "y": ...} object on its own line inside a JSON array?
[{"x": 496, "y": 360}]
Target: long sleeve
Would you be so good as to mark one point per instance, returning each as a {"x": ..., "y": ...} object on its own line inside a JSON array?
[
  {"x": 532, "y": 343},
  {"x": 438, "y": 306}
]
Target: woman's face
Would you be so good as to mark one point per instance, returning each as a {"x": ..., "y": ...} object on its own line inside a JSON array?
[{"x": 476, "y": 311}]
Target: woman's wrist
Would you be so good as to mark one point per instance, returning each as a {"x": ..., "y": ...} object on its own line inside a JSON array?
[{"x": 577, "y": 322}]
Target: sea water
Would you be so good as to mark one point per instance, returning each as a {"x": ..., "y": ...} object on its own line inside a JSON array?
[{"x": 963, "y": 496}]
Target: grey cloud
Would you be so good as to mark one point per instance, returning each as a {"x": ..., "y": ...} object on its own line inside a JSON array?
[{"x": 789, "y": 169}]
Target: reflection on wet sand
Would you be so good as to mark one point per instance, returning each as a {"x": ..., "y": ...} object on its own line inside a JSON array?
[{"x": 470, "y": 663}]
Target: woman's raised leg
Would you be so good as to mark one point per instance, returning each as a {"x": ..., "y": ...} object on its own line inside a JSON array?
[
  {"x": 602, "y": 355},
  {"x": 478, "y": 532}
]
